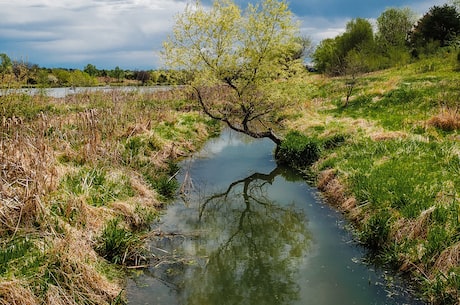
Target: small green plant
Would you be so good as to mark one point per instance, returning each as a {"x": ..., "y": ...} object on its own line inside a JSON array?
[
  {"x": 298, "y": 151},
  {"x": 13, "y": 250},
  {"x": 375, "y": 232},
  {"x": 117, "y": 244},
  {"x": 166, "y": 186}
]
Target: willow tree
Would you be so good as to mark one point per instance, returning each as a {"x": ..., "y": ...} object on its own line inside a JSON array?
[{"x": 237, "y": 56}]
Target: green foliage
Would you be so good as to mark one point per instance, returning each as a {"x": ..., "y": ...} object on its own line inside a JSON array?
[
  {"x": 23, "y": 106},
  {"x": 12, "y": 251},
  {"x": 393, "y": 25},
  {"x": 5, "y": 65},
  {"x": 138, "y": 150},
  {"x": 298, "y": 151},
  {"x": 166, "y": 186},
  {"x": 441, "y": 24},
  {"x": 91, "y": 70},
  {"x": 239, "y": 55},
  {"x": 347, "y": 53},
  {"x": 117, "y": 244},
  {"x": 81, "y": 79},
  {"x": 375, "y": 232}
]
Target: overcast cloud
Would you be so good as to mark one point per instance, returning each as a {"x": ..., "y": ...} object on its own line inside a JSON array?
[{"x": 129, "y": 33}]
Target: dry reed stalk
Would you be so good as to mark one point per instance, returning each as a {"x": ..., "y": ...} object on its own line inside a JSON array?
[
  {"x": 16, "y": 292},
  {"x": 448, "y": 259},
  {"x": 413, "y": 229},
  {"x": 76, "y": 280},
  {"x": 27, "y": 174},
  {"x": 387, "y": 135},
  {"x": 331, "y": 187}
]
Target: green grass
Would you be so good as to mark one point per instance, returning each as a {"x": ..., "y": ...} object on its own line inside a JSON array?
[{"x": 97, "y": 188}]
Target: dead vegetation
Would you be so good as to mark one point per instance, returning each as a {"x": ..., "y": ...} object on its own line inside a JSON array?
[
  {"x": 68, "y": 167},
  {"x": 448, "y": 119}
]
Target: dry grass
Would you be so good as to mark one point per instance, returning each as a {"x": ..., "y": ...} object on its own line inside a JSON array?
[
  {"x": 413, "y": 228},
  {"x": 335, "y": 191},
  {"x": 449, "y": 259},
  {"x": 448, "y": 119},
  {"x": 17, "y": 292}
]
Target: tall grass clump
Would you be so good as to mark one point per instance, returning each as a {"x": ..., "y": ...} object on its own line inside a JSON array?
[{"x": 119, "y": 245}]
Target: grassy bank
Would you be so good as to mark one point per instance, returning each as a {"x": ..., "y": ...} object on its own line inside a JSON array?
[
  {"x": 390, "y": 159},
  {"x": 81, "y": 179}
]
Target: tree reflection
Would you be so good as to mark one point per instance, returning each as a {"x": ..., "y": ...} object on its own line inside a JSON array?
[{"x": 252, "y": 247}]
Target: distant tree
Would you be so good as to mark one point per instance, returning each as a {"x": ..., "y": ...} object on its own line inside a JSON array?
[
  {"x": 330, "y": 56},
  {"x": 79, "y": 78},
  {"x": 394, "y": 26},
  {"x": 441, "y": 24},
  {"x": 142, "y": 76},
  {"x": 117, "y": 73},
  {"x": 5, "y": 65},
  {"x": 62, "y": 76},
  {"x": 357, "y": 34},
  {"x": 20, "y": 70},
  {"x": 91, "y": 70},
  {"x": 327, "y": 58},
  {"x": 237, "y": 56}
]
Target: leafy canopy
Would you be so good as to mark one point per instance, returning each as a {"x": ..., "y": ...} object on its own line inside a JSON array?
[
  {"x": 394, "y": 25},
  {"x": 236, "y": 56},
  {"x": 441, "y": 24}
]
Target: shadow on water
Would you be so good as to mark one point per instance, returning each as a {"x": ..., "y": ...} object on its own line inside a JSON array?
[{"x": 249, "y": 232}]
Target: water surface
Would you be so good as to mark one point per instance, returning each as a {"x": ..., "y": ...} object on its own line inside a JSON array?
[
  {"x": 66, "y": 91},
  {"x": 250, "y": 232}
]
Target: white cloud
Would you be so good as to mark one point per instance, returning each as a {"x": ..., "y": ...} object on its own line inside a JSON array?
[
  {"x": 124, "y": 30},
  {"x": 319, "y": 28}
]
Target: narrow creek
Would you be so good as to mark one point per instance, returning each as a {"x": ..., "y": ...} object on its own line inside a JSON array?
[{"x": 249, "y": 232}]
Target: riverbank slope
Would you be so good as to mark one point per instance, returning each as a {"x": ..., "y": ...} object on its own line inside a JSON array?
[
  {"x": 390, "y": 159},
  {"x": 82, "y": 178}
]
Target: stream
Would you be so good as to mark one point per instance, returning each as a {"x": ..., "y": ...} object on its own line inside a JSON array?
[{"x": 247, "y": 231}]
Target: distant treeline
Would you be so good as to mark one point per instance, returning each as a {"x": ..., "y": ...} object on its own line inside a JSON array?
[
  {"x": 19, "y": 73},
  {"x": 399, "y": 39}
]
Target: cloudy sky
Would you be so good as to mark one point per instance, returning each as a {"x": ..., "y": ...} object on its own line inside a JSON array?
[{"x": 129, "y": 33}]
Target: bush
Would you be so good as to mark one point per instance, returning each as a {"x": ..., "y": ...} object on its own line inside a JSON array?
[{"x": 298, "y": 151}]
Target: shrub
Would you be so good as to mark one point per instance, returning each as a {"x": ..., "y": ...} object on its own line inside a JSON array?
[{"x": 298, "y": 151}]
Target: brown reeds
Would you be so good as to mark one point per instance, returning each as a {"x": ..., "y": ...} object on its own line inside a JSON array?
[{"x": 43, "y": 141}]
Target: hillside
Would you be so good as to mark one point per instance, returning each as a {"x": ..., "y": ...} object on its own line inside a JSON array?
[{"x": 390, "y": 159}]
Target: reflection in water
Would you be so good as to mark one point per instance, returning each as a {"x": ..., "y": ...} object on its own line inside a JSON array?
[
  {"x": 253, "y": 247},
  {"x": 251, "y": 234}
]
